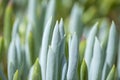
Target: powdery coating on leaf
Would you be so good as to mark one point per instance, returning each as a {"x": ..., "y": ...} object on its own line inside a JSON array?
[
  {"x": 89, "y": 46},
  {"x": 44, "y": 48},
  {"x": 50, "y": 71},
  {"x": 73, "y": 58},
  {"x": 111, "y": 51},
  {"x": 96, "y": 63},
  {"x": 76, "y": 24}
]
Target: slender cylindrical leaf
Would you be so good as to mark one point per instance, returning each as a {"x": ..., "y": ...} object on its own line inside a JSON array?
[
  {"x": 96, "y": 65},
  {"x": 15, "y": 28},
  {"x": 89, "y": 45},
  {"x": 31, "y": 47},
  {"x": 64, "y": 69},
  {"x": 1, "y": 48},
  {"x": 50, "y": 11},
  {"x": 8, "y": 24},
  {"x": 111, "y": 75},
  {"x": 82, "y": 47},
  {"x": 118, "y": 63},
  {"x": 44, "y": 48},
  {"x": 111, "y": 50},
  {"x": 73, "y": 58},
  {"x": 55, "y": 45},
  {"x": 35, "y": 72},
  {"x": 76, "y": 24},
  {"x": 16, "y": 75},
  {"x": 83, "y": 71},
  {"x": 61, "y": 58},
  {"x": 12, "y": 60},
  {"x": 55, "y": 37},
  {"x": 51, "y": 71},
  {"x": 28, "y": 54}
]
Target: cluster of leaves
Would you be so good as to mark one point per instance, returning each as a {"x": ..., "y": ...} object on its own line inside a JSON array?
[{"x": 35, "y": 47}]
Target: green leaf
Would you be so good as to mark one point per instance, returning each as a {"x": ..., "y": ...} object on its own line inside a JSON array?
[
  {"x": 89, "y": 14},
  {"x": 1, "y": 48},
  {"x": 111, "y": 75},
  {"x": 35, "y": 72},
  {"x": 83, "y": 71},
  {"x": 16, "y": 75},
  {"x": 2, "y": 75},
  {"x": 22, "y": 30},
  {"x": 31, "y": 47},
  {"x": 8, "y": 24},
  {"x": 82, "y": 47}
]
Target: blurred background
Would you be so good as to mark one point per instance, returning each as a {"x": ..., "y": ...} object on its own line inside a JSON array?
[
  {"x": 35, "y": 13},
  {"x": 93, "y": 10}
]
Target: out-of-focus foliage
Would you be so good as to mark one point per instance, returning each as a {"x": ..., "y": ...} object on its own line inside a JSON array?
[{"x": 59, "y": 39}]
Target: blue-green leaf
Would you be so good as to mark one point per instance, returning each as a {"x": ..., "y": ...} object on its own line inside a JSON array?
[
  {"x": 111, "y": 50},
  {"x": 76, "y": 24},
  {"x": 51, "y": 62},
  {"x": 90, "y": 45},
  {"x": 44, "y": 48},
  {"x": 96, "y": 62},
  {"x": 73, "y": 58},
  {"x": 12, "y": 60}
]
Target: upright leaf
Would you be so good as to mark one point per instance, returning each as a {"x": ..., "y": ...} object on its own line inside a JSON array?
[
  {"x": 50, "y": 11},
  {"x": 15, "y": 28},
  {"x": 96, "y": 63},
  {"x": 44, "y": 48},
  {"x": 64, "y": 69},
  {"x": 51, "y": 71},
  {"x": 1, "y": 48},
  {"x": 111, "y": 75},
  {"x": 76, "y": 24},
  {"x": 111, "y": 50},
  {"x": 73, "y": 58},
  {"x": 8, "y": 24},
  {"x": 16, "y": 75},
  {"x": 90, "y": 45},
  {"x": 118, "y": 61},
  {"x": 83, "y": 71},
  {"x": 12, "y": 60},
  {"x": 35, "y": 73}
]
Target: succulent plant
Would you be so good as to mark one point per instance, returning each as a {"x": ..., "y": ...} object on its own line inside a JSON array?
[{"x": 37, "y": 44}]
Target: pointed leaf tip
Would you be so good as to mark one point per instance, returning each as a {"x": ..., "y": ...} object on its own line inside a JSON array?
[{"x": 16, "y": 75}]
